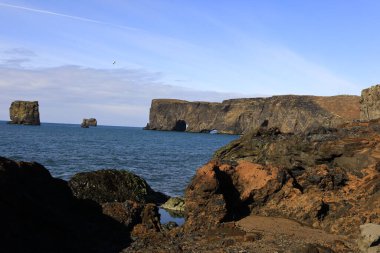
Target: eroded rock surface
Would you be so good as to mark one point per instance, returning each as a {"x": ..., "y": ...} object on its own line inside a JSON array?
[
  {"x": 369, "y": 241},
  {"x": 24, "y": 112},
  {"x": 326, "y": 178},
  {"x": 370, "y": 103},
  {"x": 236, "y": 116}
]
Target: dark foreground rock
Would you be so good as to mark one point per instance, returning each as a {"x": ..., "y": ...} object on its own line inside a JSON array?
[
  {"x": 114, "y": 186},
  {"x": 24, "y": 112},
  {"x": 289, "y": 113},
  {"x": 38, "y": 213}
]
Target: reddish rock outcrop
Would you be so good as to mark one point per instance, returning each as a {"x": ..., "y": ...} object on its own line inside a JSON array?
[
  {"x": 326, "y": 178},
  {"x": 236, "y": 116},
  {"x": 24, "y": 112}
]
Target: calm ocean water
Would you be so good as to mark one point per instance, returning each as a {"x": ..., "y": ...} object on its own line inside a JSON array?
[{"x": 167, "y": 160}]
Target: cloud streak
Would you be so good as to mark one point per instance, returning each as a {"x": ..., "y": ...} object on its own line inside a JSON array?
[{"x": 64, "y": 16}]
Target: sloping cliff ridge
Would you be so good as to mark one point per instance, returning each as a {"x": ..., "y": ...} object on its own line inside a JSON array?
[{"x": 289, "y": 113}]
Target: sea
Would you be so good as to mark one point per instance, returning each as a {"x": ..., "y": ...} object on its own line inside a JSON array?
[{"x": 166, "y": 160}]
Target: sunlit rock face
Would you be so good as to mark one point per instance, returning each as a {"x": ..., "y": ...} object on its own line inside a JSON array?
[
  {"x": 290, "y": 114},
  {"x": 24, "y": 112},
  {"x": 370, "y": 103},
  {"x": 328, "y": 178}
]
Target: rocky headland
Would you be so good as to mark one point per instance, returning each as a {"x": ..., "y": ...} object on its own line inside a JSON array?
[
  {"x": 24, "y": 112},
  {"x": 288, "y": 113}
]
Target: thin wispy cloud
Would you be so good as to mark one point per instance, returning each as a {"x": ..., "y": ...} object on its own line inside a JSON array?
[{"x": 65, "y": 16}]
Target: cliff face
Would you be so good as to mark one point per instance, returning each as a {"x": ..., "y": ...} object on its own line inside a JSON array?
[
  {"x": 24, "y": 112},
  {"x": 289, "y": 113},
  {"x": 370, "y": 103}
]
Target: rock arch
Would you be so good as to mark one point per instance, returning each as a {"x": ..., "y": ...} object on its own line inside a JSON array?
[{"x": 180, "y": 126}]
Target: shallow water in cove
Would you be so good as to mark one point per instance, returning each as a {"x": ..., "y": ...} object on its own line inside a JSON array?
[{"x": 167, "y": 160}]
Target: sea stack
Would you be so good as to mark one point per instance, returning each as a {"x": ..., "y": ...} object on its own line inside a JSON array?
[
  {"x": 24, "y": 113},
  {"x": 86, "y": 123}
]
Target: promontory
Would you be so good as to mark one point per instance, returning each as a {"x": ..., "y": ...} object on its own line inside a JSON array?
[{"x": 288, "y": 113}]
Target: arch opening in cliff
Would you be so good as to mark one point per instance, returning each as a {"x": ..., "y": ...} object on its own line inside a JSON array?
[{"x": 180, "y": 126}]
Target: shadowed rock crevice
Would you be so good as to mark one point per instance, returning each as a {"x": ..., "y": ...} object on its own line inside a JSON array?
[
  {"x": 323, "y": 211},
  {"x": 375, "y": 243},
  {"x": 236, "y": 209}
]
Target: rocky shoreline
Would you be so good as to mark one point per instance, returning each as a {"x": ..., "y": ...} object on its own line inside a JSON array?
[
  {"x": 271, "y": 190},
  {"x": 246, "y": 199}
]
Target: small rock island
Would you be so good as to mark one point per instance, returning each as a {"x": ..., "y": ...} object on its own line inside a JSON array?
[
  {"x": 86, "y": 123},
  {"x": 24, "y": 113}
]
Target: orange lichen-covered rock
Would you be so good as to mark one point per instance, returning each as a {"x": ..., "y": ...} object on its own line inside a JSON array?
[{"x": 327, "y": 178}]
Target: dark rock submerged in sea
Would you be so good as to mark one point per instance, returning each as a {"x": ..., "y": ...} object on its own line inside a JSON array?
[{"x": 114, "y": 186}]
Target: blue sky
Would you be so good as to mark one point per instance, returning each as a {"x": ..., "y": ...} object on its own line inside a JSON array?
[{"x": 61, "y": 53}]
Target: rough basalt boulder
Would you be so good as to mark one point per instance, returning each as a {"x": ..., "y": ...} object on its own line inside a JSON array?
[
  {"x": 326, "y": 178},
  {"x": 24, "y": 112},
  {"x": 38, "y": 213},
  {"x": 114, "y": 186},
  {"x": 127, "y": 213},
  {"x": 288, "y": 113},
  {"x": 370, "y": 103},
  {"x": 86, "y": 123}
]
